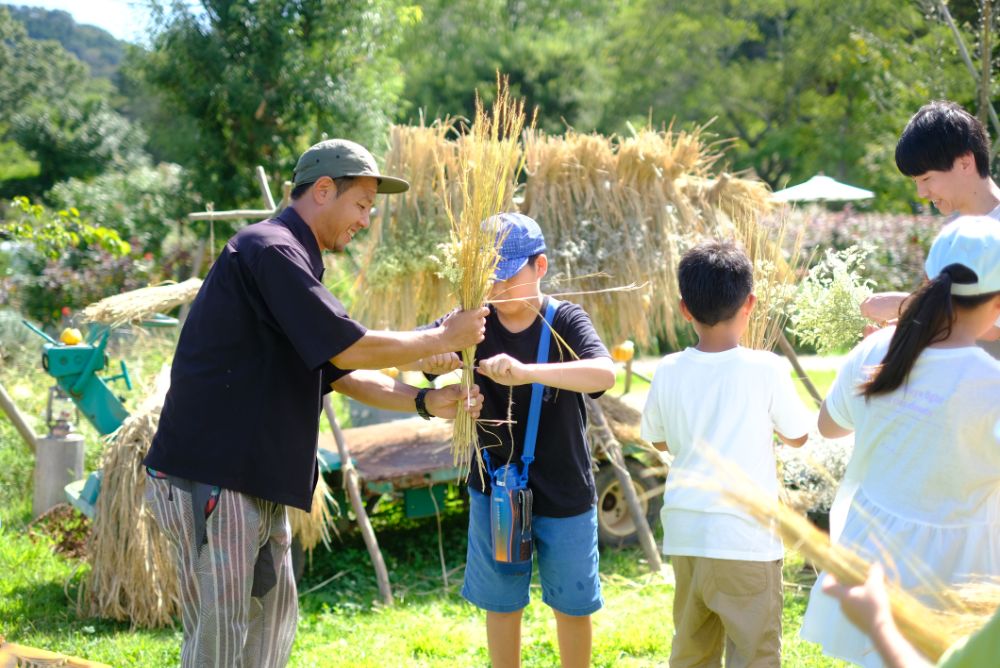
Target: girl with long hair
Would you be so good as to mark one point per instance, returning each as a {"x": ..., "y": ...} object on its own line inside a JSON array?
[{"x": 922, "y": 490}]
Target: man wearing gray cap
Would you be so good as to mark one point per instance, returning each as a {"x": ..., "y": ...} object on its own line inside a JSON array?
[{"x": 264, "y": 340}]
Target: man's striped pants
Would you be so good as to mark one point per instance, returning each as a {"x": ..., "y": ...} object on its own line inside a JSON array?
[{"x": 238, "y": 600}]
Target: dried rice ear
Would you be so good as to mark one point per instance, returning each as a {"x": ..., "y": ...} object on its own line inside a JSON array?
[
  {"x": 489, "y": 161},
  {"x": 137, "y": 305}
]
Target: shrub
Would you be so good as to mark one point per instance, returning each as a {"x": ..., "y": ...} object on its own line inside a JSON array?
[{"x": 142, "y": 205}]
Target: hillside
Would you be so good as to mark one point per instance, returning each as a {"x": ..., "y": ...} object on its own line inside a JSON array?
[{"x": 94, "y": 46}]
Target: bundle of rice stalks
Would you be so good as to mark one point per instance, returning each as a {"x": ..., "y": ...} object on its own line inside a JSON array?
[
  {"x": 932, "y": 630},
  {"x": 137, "y": 305},
  {"x": 314, "y": 527},
  {"x": 616, "y": 212},
  {"x": 404, "y": 238},
  {"x": 489, "y": 161},
  {"x": 132, "y": 576}
]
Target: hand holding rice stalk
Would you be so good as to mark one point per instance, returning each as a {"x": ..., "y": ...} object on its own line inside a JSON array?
[
  {"x": 827, "y": 311},
  {"x": 489, "y": 161}
]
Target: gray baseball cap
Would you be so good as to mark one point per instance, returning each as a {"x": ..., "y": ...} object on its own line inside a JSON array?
[{"x": 340, "y": 157}]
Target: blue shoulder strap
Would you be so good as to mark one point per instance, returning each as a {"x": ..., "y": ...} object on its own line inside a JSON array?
[{"x": 535, "y": 409}]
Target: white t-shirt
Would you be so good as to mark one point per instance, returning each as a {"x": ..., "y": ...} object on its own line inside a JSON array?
[
  {"x": 929, "y": 447},
  {"x": 714, "y": 411}
]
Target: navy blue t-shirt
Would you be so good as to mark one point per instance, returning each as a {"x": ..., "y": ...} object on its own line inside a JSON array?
[
  {"x": 561, "y": 478},
  {"x": 251, "y": 366}
]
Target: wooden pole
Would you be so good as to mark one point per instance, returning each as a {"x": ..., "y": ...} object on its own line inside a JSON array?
[
  {"x": 789, "y": 352},
  {"x": 235, "y": 214},
  {"x": 358, "y": 505},
  {"x": 286, "y": 194},
  {"x": 265, "y": 189},
  {"x": 613, "y": 449},
  {"x": 17, "y": 419},
  {"x": 628, "y": 376}
]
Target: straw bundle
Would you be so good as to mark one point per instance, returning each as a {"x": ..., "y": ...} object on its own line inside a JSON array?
[
  {"x": 313, "y": 527},
  {"x": 132, "y": 576},
  {"x": 137, "y": 305},
  {"x": 614, "y": 211},
  {"x": 626, "y": 210},
  {"x": 931, "y": 630},
  {"x": 489, "y": 161},
  {"x": 404, "y": 239}
]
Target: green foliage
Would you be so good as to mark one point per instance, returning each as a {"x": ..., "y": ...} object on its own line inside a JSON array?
[
  {"x": 62, "y": 263},
  {"x": 546, "y": 48},
  {"x": 77, "y": 141},
  {"x": 53, "y": 234},
  {"x": 826, "y": 312},
  {"x": 803, "y": 86},
  {"x": 258, "y": 82},
  {"x": 33, "y": 70},
  {"x": 142, "y": 204}
]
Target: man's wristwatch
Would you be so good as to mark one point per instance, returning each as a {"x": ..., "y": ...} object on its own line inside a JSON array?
[{"x": 421, "y": 401}]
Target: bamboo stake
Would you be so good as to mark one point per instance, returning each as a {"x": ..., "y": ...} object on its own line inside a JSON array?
[
  {"x": 265, "y": 189},
  {"x": 357, "y": 504},
  {"x": 17, "y": 419},
  {"x": 613, "y": 449},
  {"x": 235, "y": 214},
  {"x": 789, "y": 352}
]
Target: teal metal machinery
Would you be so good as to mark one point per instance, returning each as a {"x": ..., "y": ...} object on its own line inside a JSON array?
[{"x": 75, "y": 369}]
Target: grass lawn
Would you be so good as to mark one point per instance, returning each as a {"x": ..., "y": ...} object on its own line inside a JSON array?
[{"x": 430, "y": 625}]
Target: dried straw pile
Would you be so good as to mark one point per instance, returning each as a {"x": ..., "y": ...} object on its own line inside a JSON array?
[
  {"x": 137, "y": 305},
  {"x": 614, "y": 211},
  {"x": 405, "y": 238},
  {"x": 132, "y": 574}
]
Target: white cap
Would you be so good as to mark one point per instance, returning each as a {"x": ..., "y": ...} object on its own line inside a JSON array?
[{"x": 971, "y": 241}]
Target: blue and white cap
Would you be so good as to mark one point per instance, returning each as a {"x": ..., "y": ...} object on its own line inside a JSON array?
[{"x": 522, "y": 239}]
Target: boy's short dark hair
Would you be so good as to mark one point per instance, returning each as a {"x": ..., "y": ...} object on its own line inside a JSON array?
[
  {"x": 938, "y": 134},
  {"x": 715, "y": 278}
]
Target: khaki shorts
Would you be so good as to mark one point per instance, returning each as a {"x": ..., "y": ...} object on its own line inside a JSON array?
[{"x": 726, "y": 602}]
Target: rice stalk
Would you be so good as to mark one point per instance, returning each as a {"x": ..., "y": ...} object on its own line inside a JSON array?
[
  {"x": 931, "y": 630},
  {"x": 137, "y": 305},
  {"x": 313, "y": 527},
  {"x": 489, "y": 161}
]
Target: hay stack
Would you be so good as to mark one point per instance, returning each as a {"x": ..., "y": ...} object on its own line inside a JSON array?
[
  {"x": 405, "y": 238},
  {"x": 614, "y": 212},
  {"x": 132, "y": 573}
]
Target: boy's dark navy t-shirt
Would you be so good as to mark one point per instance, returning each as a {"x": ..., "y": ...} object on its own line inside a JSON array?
[
  {"x": 561, "y": 477},
  {"x": 251, "y": 366}
]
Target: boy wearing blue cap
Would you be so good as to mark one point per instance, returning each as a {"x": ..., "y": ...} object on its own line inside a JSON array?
[{"x": 563, "y": 523}]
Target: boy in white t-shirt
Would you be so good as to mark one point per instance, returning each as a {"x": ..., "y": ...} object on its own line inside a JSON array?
[{"x": 719, "y": 402}]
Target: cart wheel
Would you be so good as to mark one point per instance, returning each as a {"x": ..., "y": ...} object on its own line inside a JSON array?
[{"x": 614, "y": 524}]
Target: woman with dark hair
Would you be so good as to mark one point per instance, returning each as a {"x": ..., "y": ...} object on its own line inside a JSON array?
[{"x": 922, "y": 490}]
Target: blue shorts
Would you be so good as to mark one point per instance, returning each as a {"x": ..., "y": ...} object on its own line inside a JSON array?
[{"x": 566, "y": 552}]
